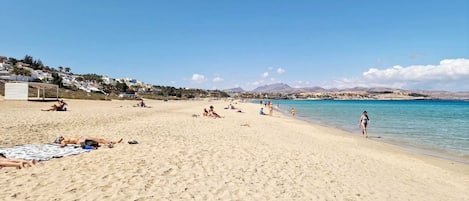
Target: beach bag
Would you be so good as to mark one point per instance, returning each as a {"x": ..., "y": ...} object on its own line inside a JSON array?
[
  {"x": 89, "y": 143},
  {"x": 63, "y": 108}
]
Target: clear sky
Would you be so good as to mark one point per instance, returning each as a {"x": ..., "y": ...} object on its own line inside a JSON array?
[{"x": 409, "y": 44}]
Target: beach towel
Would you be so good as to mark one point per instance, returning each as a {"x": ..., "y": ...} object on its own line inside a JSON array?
[{"x": 42, "y": 152}]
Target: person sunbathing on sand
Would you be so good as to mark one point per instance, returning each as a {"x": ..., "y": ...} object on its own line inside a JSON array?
[
  {"x": 230, "y": 107},
  {"x": 17, "y": 163},
  {"x": 61, "y": 106},
  {"x": 74, "y": 140},
  {"x": 141, "y": 103}
]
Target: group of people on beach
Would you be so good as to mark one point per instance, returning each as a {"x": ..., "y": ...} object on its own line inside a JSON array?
[
  {"x": 269, "y": 105},
  {"x": 232, "y": 107},
  {"x": 60, "y": 106},
  {"x": 141, "y": 103},
  {"x": 210, "y": 112},
  {"x": 84, "y": 142},
  {"x": 363, "y": 123}
]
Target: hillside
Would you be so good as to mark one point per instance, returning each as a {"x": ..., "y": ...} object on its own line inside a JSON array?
[
  {"x": 278, "y": 87},
  {"x": 375, "y": 93}
]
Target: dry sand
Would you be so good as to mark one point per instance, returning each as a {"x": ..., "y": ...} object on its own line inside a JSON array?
[{"x": 243, "y": 156}]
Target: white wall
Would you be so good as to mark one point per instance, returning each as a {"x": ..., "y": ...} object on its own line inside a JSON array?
[{"x": 16, "y": 91}]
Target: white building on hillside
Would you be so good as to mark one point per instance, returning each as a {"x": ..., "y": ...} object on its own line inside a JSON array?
[
  {"x": 4, "y": 64},
  {"x": 108, "y": 80}
]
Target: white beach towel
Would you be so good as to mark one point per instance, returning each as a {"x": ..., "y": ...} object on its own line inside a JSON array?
[{"x": 41, "y": 152}]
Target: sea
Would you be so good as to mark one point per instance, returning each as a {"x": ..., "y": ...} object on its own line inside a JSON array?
[{"x": 438, "y": 128}]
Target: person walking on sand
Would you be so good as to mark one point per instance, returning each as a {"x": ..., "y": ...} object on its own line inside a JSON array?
[
  {"x": 271, "y": 108},
  {"x": 364, "y": 119}
]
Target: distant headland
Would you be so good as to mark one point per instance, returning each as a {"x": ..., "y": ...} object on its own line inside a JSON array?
[{"x": 283, "y": 91}]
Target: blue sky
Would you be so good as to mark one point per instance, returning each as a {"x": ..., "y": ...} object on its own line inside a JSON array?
[{"x": 226, "y": 44}]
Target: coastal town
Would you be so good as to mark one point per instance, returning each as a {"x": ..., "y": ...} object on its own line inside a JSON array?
[
  {"x": 30, "y": 70},
  {"x": 27, "y": 70}
]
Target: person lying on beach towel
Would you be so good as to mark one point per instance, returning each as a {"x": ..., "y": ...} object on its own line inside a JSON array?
[
  {"x": 78, "y": 140},
  {"x": 61, "y": 106},
  {"x": 17, "y": 163}
]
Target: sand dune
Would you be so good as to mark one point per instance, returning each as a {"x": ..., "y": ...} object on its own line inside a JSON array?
[{"x": 243, "y": 156}]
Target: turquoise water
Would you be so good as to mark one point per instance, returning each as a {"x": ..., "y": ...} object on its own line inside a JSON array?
[{"x": 437, "y": 127}]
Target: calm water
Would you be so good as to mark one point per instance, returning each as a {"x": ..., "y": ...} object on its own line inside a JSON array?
[{"x": 439, "y": 128}]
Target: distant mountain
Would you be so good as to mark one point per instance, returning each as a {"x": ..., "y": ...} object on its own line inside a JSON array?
[
  {"x": 234, "y": 90},
  {"x": 312, "y": 89},
  {"x": 284, "y": 88},
  {"x": 379, "y": 92},
  {"x": 277, "y": 87},
  {"x": 364, "y": 89}
]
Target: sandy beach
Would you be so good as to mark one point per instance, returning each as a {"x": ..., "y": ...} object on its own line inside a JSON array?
[{"x": 242, "y": 156}]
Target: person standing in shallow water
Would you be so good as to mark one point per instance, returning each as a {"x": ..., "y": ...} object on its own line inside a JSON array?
[
  {"x": 364, "y": 119},
  {"x": 292, "y": 111}
]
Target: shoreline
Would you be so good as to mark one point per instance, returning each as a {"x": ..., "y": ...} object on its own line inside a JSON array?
[
  {"x": 429, "y": 154},
  {"x": 242, "y": 156},
  {"x": 409, "y": 146}
]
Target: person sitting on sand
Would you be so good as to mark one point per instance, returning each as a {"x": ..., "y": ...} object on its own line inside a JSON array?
[
  {"x": 17, "y": 163},
  {"x": 60, "y": 106},
  {"x": 261, "y": 111},
  {"x": 205, "y": 112},
  {"x": 74, "y": 140},
  {"x": 141, "y": 103},
  {"x": 230, "y": 107},
  {"x": 212, "y": 113}
]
